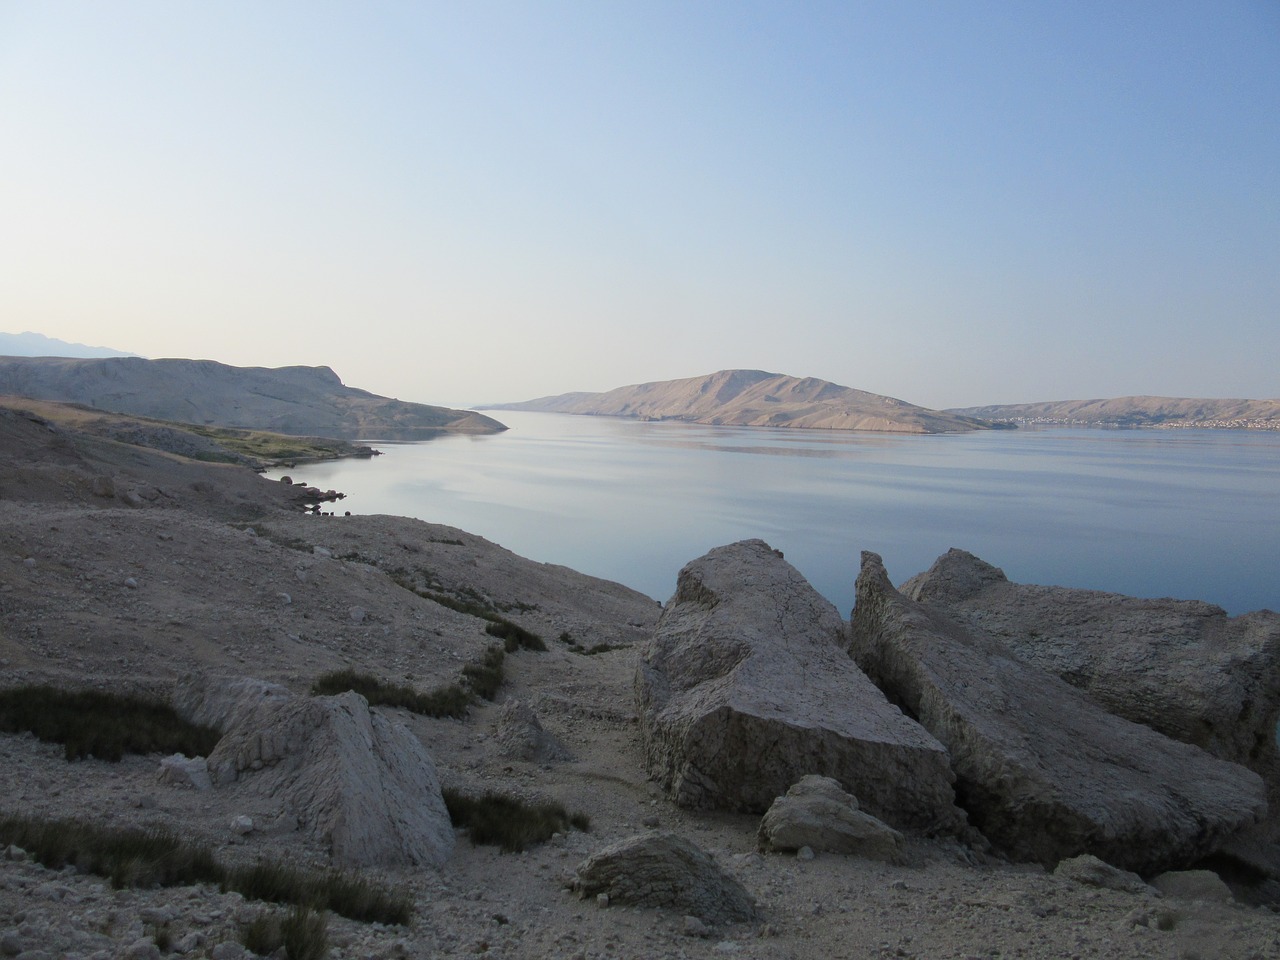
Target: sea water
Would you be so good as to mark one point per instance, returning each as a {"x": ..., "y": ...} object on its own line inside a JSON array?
[{"x": 1193, "y": 514}]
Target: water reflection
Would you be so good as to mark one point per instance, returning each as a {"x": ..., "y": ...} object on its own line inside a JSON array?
[{"x": 1151, "y": 513}]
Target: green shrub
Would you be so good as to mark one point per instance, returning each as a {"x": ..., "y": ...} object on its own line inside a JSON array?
[
  {"x": 130, "y": 858},
  {"x": 349, "y": 896},
  {"x": 103, "y": 725},
  {"x": 150, "y": 858},
  {"x": 513, "y": 635},
  {"x": 508, "y": 822},
  {"x": 486, "y": 677},
  {"x": 302, "y": 932},
  {"x": 451, "y": 701}
]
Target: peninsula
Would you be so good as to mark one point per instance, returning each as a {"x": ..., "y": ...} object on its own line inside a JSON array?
[
  {"x": 300, "y": 401},
  {"x": 754, "y": 398},
  {"x": 1166, "y": 412}
]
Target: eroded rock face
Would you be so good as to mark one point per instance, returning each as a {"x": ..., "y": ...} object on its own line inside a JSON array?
[
  {"x": 363, "y": 784},
  {"x": 746, "y": 687},
  {"x": 664, "y": 870},
  {"x": 220, "y": 701},
  {"x": 817, "y": 814},
  {"x": 1182, "y": 667},
  {"x": 1043, "y": 771}
]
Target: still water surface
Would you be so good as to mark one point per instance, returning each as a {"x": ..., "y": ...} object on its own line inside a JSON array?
[{"x": 1181, "y": 513}]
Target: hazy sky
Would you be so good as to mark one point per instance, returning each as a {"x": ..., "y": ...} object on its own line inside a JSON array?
[{"x": 948, "y": 202}]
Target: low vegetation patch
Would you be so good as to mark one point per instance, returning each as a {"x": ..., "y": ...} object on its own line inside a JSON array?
[
  {"x": 450, "y": 701},
  {"x": 508, "y": 822},
  {"x": 303, "y": 933},
  {"x": 514, "y": 636},
  {"x": 150, "y": 858},
  {"x": 103, "y": 725},
  {"x": 346, "y": 895},
  {"x": 574, "y": 647},
  {"x": 485, "y": 677}
]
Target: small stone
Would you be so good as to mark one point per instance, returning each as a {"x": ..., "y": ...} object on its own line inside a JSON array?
[
  {"x": 242, "y": 825},
  {"x": 142, "y": 949},
  {"x": 14, "y": 852},
  {"x": 357, "y": 614},
  {"x": 228, "y": 950},
  {"x": 131, "y": 583},
  {"x": 284, "y": 598},
  {"x": 29, "y": 563},
  {"x": 804, "y": 853},
  {"x": 691, "y": 926},
  {"x": 602, "y": 900}
]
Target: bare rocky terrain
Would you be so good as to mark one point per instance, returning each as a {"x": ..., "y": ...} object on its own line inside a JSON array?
[
  {"x": 755, "y": 398},
  {"x": 1137, "y": 412},
  {"x": 129, "y": 568}
]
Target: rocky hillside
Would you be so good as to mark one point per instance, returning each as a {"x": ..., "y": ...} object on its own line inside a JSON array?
[
  {"x": 301, "y": 401},
  {"x": 1137, "y": 412},
  {"x": 905, "y": 816},
  {"x": 754, "y": 398}
]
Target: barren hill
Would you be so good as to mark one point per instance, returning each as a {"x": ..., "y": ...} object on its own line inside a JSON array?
[
  {"x": 302, "y": 401},
  {"x": 1138, "y": 412},
  {"x": 755, "y": 398}
]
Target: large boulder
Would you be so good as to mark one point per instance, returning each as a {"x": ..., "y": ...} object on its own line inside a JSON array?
[
  {"x": 1182, "y": 667},
  {"x": 1043, "y": 770},
  {"x": 817, "y": 814},
  {"x": 664, "y": 870},
  {"x": 353, "y": 779},
  {"x": 746, "y": 686}
]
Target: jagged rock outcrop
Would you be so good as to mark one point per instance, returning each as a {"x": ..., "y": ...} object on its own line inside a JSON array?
[
  {"x": 1043, "y": 771},
  {"x": 352, "y": 778},
  {"x": 664, "y": 870},
  {"x": 745, "y": 687},
  {"x": 817, "y": 814},
  {"x": 519, "y": 735},
  {"x": 1183, "y": 667}
]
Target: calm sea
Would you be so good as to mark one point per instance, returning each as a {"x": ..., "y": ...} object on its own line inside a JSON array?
[{"x": 1193, "y": 514}]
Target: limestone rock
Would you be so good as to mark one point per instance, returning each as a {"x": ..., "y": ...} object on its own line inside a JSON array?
[
  {"x": 220, "y": 702},
  {"x": 1182, "y": 667},
  {"x": 520, "y": 735},
  {"x": 181, "y": 771},
  {"x": 816, "y": 813},
  {"x": 745, "y": 687},
  {"x": 1193, "y": 885},
  {"x": 1044, "y": 772},
  {"x": 352, "y": 778},
  {"x": 664, "y": 870},
  {"x": 1092, "y": 872}
]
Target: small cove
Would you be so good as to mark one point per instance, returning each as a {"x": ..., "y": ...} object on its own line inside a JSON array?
[{"x": 1193, "y": 514}]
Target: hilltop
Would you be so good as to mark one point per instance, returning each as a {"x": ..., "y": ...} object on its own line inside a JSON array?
[
  {"x": 301, "y": 401},
  {"x": 1137, "y": 412},
  {"x": 756, "y": 398}
]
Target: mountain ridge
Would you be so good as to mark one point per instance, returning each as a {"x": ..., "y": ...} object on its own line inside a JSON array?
[
  {"x": 755, "y": 398},
  {"x": 298, "y": 400}
]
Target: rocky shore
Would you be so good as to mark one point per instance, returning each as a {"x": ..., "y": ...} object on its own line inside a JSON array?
[{"x": 963, "y": 772}]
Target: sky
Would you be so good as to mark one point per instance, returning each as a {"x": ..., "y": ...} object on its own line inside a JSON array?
[{"x": 953, "y": 203}]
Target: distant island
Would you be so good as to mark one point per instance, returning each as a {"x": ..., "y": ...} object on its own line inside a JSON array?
[
  {"x": 1166, "y": 412},
  {"x": 299, "y": 401},
  {"x": 29, "y": 344},
  {"x": 755, "y": 398}
]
